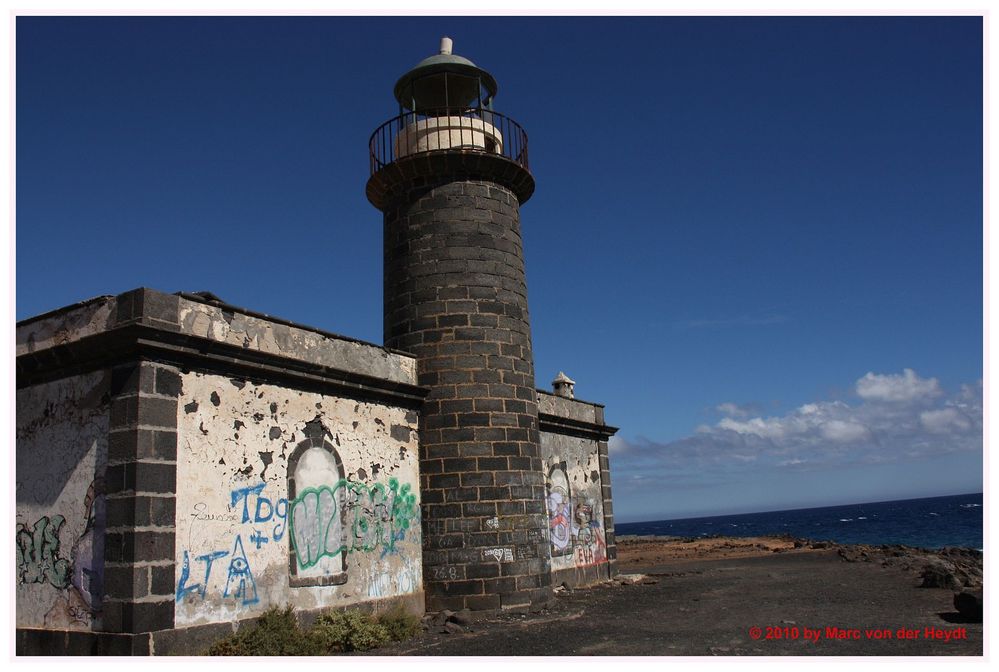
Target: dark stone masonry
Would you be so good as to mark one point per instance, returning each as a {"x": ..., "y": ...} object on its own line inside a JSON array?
[{"x": 456, "y": 297}]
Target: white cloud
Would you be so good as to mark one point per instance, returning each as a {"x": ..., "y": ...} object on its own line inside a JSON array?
[
  {"x": 808, "y": 419},
  {"x": 944, "y": 420},
  {"x": 791, "y": 463},
  {"x": 844, "y": 431},
  {"x": 919, "y": 422},
  {"x": 897, "y": 388},
  {"x": 731, "y": 410},
  {"x": 769, "y": 428}
]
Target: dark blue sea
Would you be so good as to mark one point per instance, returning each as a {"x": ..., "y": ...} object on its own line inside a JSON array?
[{"x": 931, "y": 522}]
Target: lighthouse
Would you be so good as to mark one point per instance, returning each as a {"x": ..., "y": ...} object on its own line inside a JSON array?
[{"x": 450, "y": 175}]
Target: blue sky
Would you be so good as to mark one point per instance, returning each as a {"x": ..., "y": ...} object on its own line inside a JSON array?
[{"x": 758, "y": 241}]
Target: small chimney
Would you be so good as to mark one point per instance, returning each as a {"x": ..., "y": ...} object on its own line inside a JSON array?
[
  {"x": 562, "y": 386},
  {"x": 446, "y": 45}
]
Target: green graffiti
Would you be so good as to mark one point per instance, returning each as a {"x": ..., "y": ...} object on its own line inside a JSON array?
[
  {"x": 376, "y": 516},
  {"x": 38, "y": 558},
  {"x": 404, "y": 507}
]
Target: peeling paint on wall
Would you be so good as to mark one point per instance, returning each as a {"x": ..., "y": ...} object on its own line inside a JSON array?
[
  {"x": 276, "y": 503},
  {"x": 574, "y": 500},
  {"x": 62, "y": 430}
]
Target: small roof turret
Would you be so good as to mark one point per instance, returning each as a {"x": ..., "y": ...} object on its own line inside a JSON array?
[
  {"x": 562, "y": 385},
  {"x": 562, "y": 378}
]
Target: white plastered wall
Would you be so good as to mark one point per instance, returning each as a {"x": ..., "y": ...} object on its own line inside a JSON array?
[
  {"x": 62, "y": 430},
  {"x": 234, "y": 538},
  {"x": 576, "y": 512}
]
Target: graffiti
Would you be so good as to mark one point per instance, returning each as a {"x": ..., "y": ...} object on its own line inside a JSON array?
[
  {"x": 591, "y": 554},
  {"x": 373, "y": 517},
  {"x": 88, "y": 550},
  {"x": 526, "y": 552},
  {"x": 382, "y": 518},
  {"x": 588, "y": 541},
  {"x": 559, "y": 511},
  {"x": 584, "y": 525},
  {"x": 263, "y": 510},
  {"x": 452, "y": 541},
  {"x": 498, "y": 554},
  {"x": 38, "y": 550},
  {"x": 462, "y": 525},
  {"x": 185, "y": 573},
  {"x": 240, "y": 576},
  {"x": 203, "y": 515},
  {"x": 573, "y": 522},
  {"x": 80, "y": 615},
  {"x": 258, "y": 539},
  {"x": 80, "y": 576},
  {"x": 492, "y": 523},
  {"x": 257, "y": 510},
  {"x": 444, "y": 573},
  {"x": 405, "y": 578},
  {"x": 239, "y": 583},
  {"x": 559, "y": 521},
  {"x": 315, "y": 526}
]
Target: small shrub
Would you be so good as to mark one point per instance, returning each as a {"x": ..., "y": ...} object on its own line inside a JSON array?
[
  {"x": 276, "y": 633},
  {"x": 399, "y": 624},
  {"x": 348, "y": 631}
]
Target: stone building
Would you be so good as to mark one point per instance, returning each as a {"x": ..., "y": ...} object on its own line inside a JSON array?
[{"x": 184, "y": 464}]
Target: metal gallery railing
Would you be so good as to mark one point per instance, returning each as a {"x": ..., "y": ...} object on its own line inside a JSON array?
[{"x": 465, "y": 129}]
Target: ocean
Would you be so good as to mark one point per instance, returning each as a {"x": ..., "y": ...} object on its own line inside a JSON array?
[{"x": 932, "y": 522}]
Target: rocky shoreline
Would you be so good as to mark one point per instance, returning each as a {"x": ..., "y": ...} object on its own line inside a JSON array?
[{"x": 950, "y": 567}]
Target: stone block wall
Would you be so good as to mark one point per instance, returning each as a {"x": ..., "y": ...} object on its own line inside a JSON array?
[{"x": 456, "y": 297}]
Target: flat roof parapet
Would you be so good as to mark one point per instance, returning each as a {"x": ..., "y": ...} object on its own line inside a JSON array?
[
  {"x": 225, "y": 323},
  {"x": 574, "y": 416},
  {"x": 65, "y": 324},
  {"x": 202, "y": 332}
]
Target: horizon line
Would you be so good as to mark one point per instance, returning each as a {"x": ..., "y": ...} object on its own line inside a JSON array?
[{"x": 805, "y": 508}]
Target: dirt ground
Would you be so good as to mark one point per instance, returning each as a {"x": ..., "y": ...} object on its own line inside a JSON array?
[
  {"x": 634, "y": 553},
  {"x": 727, "y": 597}
]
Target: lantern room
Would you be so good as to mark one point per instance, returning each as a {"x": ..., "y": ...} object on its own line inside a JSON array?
[
  {"x": 445, "y": 103},
  {"x": 446, "y": 128},
  {"x": 445, "y": 81}
]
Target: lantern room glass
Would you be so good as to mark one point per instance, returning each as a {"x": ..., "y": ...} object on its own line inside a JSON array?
[{"x": 436, "y": 92}]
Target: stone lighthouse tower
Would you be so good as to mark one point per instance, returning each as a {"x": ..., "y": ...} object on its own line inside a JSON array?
[{"x": 450, "y": 174}]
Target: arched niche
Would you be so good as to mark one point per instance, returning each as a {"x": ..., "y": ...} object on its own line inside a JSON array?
[
  {"x": 316, "y": 549},
  {"x": 559, "y": 505}
]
